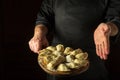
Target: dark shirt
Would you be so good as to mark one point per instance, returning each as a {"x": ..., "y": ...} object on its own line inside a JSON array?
[{"x": 74, "y": 23}]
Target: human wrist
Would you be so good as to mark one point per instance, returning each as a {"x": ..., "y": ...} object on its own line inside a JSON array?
[
  {"x": 113, "y": 28},
  {"x": 40, "y": 30}
]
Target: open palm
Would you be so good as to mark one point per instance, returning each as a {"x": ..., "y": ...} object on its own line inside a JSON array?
[{"x": 101, "y": 39}]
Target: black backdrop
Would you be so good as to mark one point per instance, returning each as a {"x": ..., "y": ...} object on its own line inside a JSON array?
[{"x": 18, "y": 62}]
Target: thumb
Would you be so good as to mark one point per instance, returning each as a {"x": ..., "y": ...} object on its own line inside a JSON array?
[{"x": 106, "y": 29}]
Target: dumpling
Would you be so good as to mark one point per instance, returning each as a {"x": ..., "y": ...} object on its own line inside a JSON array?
[
  {"x": 77, "y": 61},
  {"x": 68, "y": 50},
  {"x": 50, "y": 66},
  {"x": 45, "y": 52},
  {"x": 51, "y": 48},
  {"x": 69, "y": 58},
  {"x": 75, "y": 52},
  {"x": 82, "y": 56},
  {"x": 60, "y": 47},
  {"x": 47, "y": 59},
  {"x": 81, "y": 62},
  {"x": 72, "y": 65},
  {"x": 84, "y": 63},
  {"x": 63, "y": 67},
  {"x": 59, "y": 59},
  {"x": 78, "y": 50},
  {"x": 57, "y": 53}
]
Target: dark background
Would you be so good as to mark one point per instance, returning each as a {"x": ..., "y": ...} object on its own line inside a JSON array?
[{"x": 18, "y": 62}]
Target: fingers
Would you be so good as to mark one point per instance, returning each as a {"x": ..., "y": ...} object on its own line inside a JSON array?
[
  {"x": 104, "y": 56},
  {"x": 102, "y": 49},
  {"x": 34, "y": 45},
  {"x": 106, "y": 46},
  {"x": 99, "y": 51},
  {"x": 101, "y": 38},
  {"x": 37, "y": 44},
  {"x": 37, "y": 47},
  {"x": 30, "y": 46}
]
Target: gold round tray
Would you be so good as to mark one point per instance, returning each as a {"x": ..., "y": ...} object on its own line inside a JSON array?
[{"x": 59, "y": 73}]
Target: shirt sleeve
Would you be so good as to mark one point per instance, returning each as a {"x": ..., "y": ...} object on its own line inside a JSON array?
[
  {"x": 113, "y": 15},
  {"x": 45, "y": 15}
]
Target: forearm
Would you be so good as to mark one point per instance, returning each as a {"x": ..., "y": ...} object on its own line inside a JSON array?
[{"x": 40, "y": 30}]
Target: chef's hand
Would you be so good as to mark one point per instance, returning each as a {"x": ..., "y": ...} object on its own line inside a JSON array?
[
  {"x": 101, "y": 38},
  {"x": 39, "y": 40}
]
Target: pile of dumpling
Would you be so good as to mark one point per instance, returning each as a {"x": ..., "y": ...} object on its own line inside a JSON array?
[{"x": 59, "y": 58}]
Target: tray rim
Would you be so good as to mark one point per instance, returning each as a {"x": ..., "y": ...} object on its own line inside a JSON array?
[{"x": 73, "y": 72}]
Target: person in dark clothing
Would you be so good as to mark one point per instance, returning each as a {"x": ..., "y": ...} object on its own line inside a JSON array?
[{"x": 85, "y": 24}]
